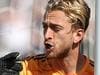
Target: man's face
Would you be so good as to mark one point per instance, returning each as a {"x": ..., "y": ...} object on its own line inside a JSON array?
[{"x": 57, "y": 34}]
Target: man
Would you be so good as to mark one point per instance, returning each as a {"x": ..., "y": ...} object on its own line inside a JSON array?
[{"x": 65, "y": 23}]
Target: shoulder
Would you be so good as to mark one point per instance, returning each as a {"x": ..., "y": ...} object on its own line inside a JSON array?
[
  {"x": 29, "y": 66},
  {"x": 91, "y": 62},
  {"x": 89, "y": 67},
  {"x": 36, "y": 63}
]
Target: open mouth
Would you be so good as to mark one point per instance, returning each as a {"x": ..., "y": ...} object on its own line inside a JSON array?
[{"x": 49, "y": 46}]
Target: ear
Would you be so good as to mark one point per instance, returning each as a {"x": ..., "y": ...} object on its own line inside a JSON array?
[{"x": 78, "y": 35}]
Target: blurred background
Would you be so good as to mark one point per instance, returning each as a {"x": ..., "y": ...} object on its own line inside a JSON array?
[{"x": 21, "y": 28}]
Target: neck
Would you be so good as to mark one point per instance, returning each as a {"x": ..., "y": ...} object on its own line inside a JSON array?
[
  {"x": 74, "y": 61},
  {"x": 70, "y": 61}
]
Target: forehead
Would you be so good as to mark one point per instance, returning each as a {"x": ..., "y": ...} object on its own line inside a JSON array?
[{"x": 56, "y": 16}]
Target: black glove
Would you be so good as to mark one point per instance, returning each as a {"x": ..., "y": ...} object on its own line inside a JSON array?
[{"x": 9, "y": 65}]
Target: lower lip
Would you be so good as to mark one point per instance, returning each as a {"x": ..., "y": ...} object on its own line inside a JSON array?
[{"x": 48, "y": 50}]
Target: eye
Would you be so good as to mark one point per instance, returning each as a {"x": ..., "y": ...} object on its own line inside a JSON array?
[
  {"x": 56, "y": 28},
  {"x": 45, "y": 26}
]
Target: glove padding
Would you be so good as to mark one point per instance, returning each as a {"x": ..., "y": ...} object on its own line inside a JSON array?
[{"x": 9, "y": 65}]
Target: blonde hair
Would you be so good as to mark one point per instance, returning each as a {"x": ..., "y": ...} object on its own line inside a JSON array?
[{"x": 77, "y": 10}]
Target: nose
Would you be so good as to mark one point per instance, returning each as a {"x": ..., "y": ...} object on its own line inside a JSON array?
[{"x": 49, "y": 34}]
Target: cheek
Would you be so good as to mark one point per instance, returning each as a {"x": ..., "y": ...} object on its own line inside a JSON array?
[{"x": 63, "y": 40}]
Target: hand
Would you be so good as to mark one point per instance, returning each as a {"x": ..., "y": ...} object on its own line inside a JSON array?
[{"x": 9, "y": 65}]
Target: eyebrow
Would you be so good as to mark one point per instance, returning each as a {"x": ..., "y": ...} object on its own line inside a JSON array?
[{"x": 56, "y": 25}]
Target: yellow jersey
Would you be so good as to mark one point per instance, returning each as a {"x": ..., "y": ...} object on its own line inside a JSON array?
[{"x": 45, "y": 67}]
